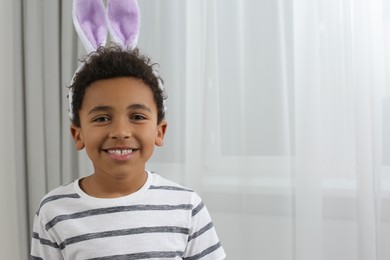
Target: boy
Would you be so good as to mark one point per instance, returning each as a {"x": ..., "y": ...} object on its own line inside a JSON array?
[{"x": 121, "y": 211}]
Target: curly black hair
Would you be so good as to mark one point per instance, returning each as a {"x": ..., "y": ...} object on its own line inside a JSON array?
[{"x": 112, "y": 62}]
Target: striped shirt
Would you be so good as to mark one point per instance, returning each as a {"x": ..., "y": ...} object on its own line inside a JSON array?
[{"x": 162, "y": 220}]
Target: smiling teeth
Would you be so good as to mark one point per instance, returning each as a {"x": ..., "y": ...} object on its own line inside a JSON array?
[{"x": 120, "y": 152}]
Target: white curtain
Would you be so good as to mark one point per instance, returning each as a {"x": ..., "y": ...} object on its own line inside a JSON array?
[
  {"x": 39, "y": 50},
  {"x": 278, "y": 114},
  {"x": 50, "y": 59},
  {"x": 10, "y": 244}
]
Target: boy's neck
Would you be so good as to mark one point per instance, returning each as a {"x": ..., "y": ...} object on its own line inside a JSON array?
[{"x": 102, "y": 186}]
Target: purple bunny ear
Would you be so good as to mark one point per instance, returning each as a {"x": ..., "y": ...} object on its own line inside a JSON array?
[
  {"x": 123, "y": 18},
  {"x": 89, "y": 20}
]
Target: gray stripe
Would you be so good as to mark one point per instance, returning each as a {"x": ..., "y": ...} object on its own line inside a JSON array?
[
  {"x": 102, "y": 211},
  {"x": 145, "y": 255},
  {"x": 44, "y": 241},
  {"x": 204, "y": 253},
  {"x": 171, "y": 188},
  {"x": 123, "y": 232},
  {"x": 57, "y": 197},
  {"x": 35, "y": 258},
  {"x": 197, "y": 209},
  {"x": 201, "y": 231}
]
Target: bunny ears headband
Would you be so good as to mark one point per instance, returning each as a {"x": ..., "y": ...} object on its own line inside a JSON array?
[{"x": 92, "y": 21}]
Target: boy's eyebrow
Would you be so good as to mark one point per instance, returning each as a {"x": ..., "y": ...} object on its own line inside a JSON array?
[
  {"x": 99, "y": 109},
  {"x": 108, "y": 108},
  {"x": 139, "y": 106}
]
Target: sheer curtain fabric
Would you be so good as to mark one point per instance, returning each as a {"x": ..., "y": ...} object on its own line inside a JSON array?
[{"x": 278, "y": 115}]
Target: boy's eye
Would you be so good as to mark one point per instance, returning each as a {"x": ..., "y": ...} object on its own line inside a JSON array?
[
  {"x": 138, "y": 117},
  {"x": 101, "y": 119}
]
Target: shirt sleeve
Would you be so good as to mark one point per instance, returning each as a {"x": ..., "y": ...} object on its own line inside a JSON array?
[
  {"x": 43, "y": 245},
  {"x": 203, "y": 242}
]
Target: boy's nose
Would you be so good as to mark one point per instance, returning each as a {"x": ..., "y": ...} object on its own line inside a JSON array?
[{"x": 120, "y": 130}]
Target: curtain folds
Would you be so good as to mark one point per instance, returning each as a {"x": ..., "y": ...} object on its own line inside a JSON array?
[
  {"x": 50, "y": 49},
  {"x": 9, "y": 151},
  {"x": 278, "y": 116}
]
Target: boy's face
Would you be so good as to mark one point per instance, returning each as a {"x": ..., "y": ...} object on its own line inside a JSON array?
[{"x": 118, "y": 126}]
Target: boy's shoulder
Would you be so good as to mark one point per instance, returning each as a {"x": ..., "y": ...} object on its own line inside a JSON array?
[
  {"x": 57, "y": 194},
  {"x": 63, "y": 190},
  {"x": 160, "y": 182},
  {"x": 164, "y": 186}
]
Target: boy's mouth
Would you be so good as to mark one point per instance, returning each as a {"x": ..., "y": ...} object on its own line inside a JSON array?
[
  {"x": 120, "y": 154},
  {"x": 120, "y": 151}
]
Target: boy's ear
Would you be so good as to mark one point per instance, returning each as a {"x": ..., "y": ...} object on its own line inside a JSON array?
[
  {"x": 161, "y": 129},
  {"x": 77, "y": 137}
]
